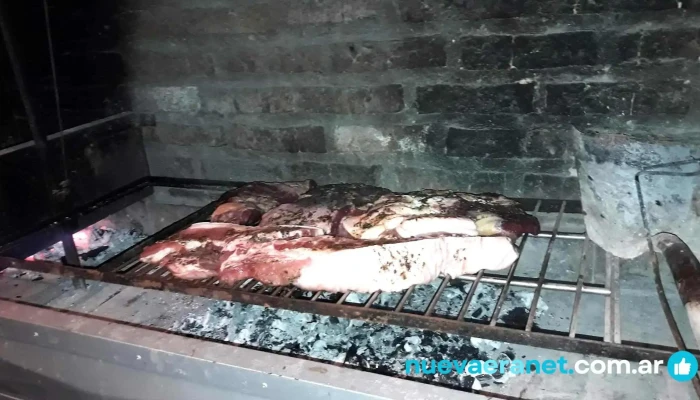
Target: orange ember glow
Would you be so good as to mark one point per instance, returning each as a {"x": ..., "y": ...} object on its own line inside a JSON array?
[{"x": 82, "y": 240}]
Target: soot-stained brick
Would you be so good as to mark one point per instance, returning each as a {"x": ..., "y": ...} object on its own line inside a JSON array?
[
  {"x": 349, "y": 100},
  {"x": 513, "y": 98},
  {"x": 483, "y": 52},
  {"x": 379, "y": 56},
  {"x": 290, "y": 140},
  {"x": 484, "y": 143},
  {"x": 556, "y": 50}
]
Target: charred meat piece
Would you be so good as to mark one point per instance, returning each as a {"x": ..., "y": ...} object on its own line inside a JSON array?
[
  {"x": 324, "y": 206},
  {"x": 201, "y": 263},
  {"x": 195, "y": 252},
  {"x": 343, "y": 264},
  {"x": 248, "y": 203},
  {"x": 192, "y": 238},
  {"x": 430, "y": 212}
]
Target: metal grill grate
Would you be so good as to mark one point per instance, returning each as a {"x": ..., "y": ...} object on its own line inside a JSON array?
[{"x": 126, "y": 269}]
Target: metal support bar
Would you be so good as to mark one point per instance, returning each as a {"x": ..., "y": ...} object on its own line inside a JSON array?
[
  {"x": 668, "y": 313},
  {"x": 29, "y": 109}
]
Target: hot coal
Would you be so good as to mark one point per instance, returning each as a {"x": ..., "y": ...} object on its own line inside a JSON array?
[
  {"x": 358, "y": 344},
  {"x": 95, "y": 244}
]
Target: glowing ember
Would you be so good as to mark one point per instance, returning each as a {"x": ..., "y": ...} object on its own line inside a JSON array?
[
  {"x": 95, "y": 244},
  {"x": 82, "y": 240}
]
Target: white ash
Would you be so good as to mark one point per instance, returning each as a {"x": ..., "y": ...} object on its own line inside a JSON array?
[
  {"x": 376, "y": 347},
  {"x": 22, "y": 274}
]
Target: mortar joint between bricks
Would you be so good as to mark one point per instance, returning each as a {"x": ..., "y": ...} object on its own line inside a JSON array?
[
  {"x": 409, "y": 101},
  {"x": 539, "y": 97},
  {"x": 453, "y": 53}
]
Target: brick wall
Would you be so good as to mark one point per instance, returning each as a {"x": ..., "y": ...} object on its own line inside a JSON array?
[{"x": 478, "y": 95}]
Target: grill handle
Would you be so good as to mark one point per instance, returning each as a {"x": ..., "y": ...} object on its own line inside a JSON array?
[{"x": 685, "y": 269}]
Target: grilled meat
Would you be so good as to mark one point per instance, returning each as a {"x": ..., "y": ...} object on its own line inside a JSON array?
[
  {"x": 248, "y": 203},
  {"x": 346, "y": 237},
  {"x": 206, "y": 241},
  {"x": 324, "y": 206},
  {"x": 343, "y": 264},
  {"x": 430, "y": 212}
]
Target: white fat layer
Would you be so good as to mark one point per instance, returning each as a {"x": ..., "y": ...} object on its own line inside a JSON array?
[
  {"x": 431, "y": 225},
  {"x": 192, "y": 245},
  {"x": 395, "y": 267},
  {"x": 210, "y": 225},
  {"x": 160, "y": 255},
  {"x": 190, "y": 270}
]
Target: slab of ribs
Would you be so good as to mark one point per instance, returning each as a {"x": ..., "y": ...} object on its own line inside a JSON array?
[{"x": 346, "y": 237}]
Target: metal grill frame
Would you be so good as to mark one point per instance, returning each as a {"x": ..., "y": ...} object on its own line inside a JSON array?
[{"x": 126, "y": 269}]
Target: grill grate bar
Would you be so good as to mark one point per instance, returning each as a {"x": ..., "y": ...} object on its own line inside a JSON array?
[
  {"x": 612, "y": 302},
  {"x": 371, "y": 299},
  {"x": 128, "y": 266},
  {"x": 506, "y": 285},
  {"x": 245, "y": 284},
  {"x": 140, "y": 270},
  {"x": 342, "y": 298},
  {"x": 436, "y": 296},
  {"x": 549, "y": 285},
  {"x": 140, "y": 267},
  {"x": 607, "y": 336},
  {"x": 543, "y": 271},
  {"x": 404, "y": 299},
  {"x": 470, "y": 295},
  {"x": 579, "y": 291},
  {"x": 617, "y": 327},
  {"x": 509, "y": 277},
  {"x": 569, "y": 236}
]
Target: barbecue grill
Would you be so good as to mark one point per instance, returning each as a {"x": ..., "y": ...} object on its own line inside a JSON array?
[{"x": 594, "y": 273}]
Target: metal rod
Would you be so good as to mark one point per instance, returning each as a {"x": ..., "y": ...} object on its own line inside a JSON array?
[
  {"x": 511, "y": 273},
  {"x": 548, "y": 286},
  {"x": 371, "y": 299},
  {"x": 470, "y": 295},
  {"x": 316, "y": 295},
  {"x": 404, "y": 299},
  {"x": 663, "y": 299},
  {"x": 506, "y": 285},
  {"x": 570, "y": 236},
  {"x": 594, "y": 257},
  {"x": 342, "y": 298},
  {"x": 72, "y": 258},
  {"x": 436, "y": 296},
  {"x": 579, "y": 291},
  {"x": 129, "y": 265},
  {"x": 39, "y": 139},
  {"x": 608, "y": 303},
  {"x": 70, "y": 251},
  {"x": 64, "y": 162},
  {"x": 245, "y": 283},
  {"x": 615, "y": 298},
  {"x": 543, "y": 271}
]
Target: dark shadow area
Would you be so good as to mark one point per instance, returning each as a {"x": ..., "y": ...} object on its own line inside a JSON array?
[
  {"x": 28, "y": 385},
  {"x": 60, "y": 68}
]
